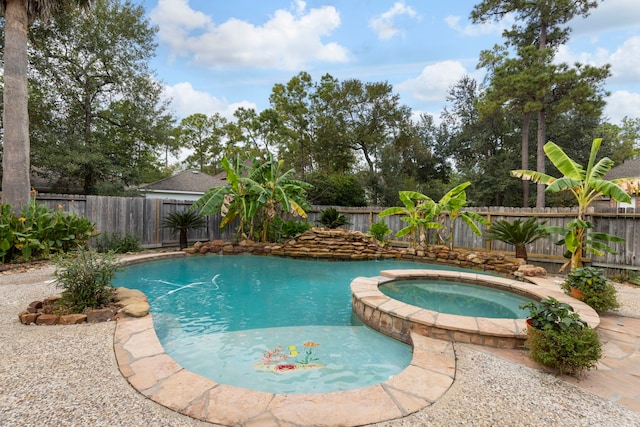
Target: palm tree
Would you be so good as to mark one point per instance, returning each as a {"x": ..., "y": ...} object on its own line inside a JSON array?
[
  {"x": 183, "y": 221},
  {"x": 518, "y": 233},
  {"x": 586, "y": 185},
  {"x": 15, "y": 161}
]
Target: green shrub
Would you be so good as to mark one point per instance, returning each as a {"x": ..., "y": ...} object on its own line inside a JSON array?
[
  {"x": 85, "y": 279},
  {"x": 280, "y": 229},
  {"x": 559, "y": 339},
  {"x": 38, "y": 232},
  {"x": 569, "y": 351},
  {"x": 331, "y": 218},
  {"x": 598, "y": 292},
  {"x": 118, "y": 242},
  {"x": 380, "y": 231}
]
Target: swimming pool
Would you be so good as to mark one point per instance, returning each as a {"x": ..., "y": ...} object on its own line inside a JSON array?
[{"x": 266, "y": 323}]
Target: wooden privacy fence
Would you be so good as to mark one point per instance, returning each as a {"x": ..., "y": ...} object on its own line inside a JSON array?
[{"x": 142, "y": 218}]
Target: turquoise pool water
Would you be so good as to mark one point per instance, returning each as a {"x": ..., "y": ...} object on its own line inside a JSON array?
[
  {"x": 458, "y": 298},
  {"x": 244, "y": 320}
]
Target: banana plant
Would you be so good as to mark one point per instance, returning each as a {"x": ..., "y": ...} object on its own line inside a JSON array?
[
  {"x": 416, "y": 209},
  {"x": 587, "y": 185},
  {"x": 450, "y": 206},
  {"x": 255, "y": 195},
  {"x": 420, "y": 212},
  {"x": 232, "y": 200}
]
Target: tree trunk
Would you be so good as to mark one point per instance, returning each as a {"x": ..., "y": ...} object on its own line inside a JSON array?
[
  {"x": 183, "y": 238},
  {"x": 525, "y": 157},
  {"x": 16, "y": 182},
  {"x": 540, "y": 199},
  {"x": 521, "y": 251}
]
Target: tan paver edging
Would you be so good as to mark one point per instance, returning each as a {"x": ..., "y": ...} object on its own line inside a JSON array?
[
  {"x": 144, "y": 363},
  {"x": 400, "y": 320}
]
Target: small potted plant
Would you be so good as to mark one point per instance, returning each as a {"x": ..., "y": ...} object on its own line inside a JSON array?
[
  {"x": 551, "y": 313},
  {"x": 591, "y": 286},
  {"x": 559, "y": 339}
]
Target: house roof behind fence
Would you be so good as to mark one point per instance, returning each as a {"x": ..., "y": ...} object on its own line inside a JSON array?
[
  {"x": 629, "y": 169},
  {"x": 189, "y": 180}
]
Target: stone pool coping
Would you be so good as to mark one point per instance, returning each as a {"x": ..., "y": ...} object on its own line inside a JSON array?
[
  {"x": 144, "y": 363},
  {"x": 402, "y": 321},
  {"x": 146, "y": 366}
]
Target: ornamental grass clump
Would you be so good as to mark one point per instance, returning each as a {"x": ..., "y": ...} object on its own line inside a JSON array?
[
  {"x": 85, "y": 278},
  {"x": 598, "y": 292}
]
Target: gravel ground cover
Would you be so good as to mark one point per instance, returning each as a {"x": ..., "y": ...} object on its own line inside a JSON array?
[{"x": 68, "y": 376}]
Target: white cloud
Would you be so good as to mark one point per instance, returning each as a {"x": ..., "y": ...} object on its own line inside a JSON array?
[
  {"x": 385, "y": 25},
  {"x": 434, "y": 81},
  {"x": 474, "y": 30},
  {"x": 625, "y": 60},
  {"x": 284, "y": 41},
  {"x": 622, "y": 103},
  {"x": 185, "y": 100},
  {"x": 609, "y": 15}
]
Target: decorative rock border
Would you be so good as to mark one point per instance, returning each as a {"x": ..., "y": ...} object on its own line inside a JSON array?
[
  {"x": 400, "y": 320},
  {"x": 339, "y": 244},
  {"x": 127, "y": 302}
]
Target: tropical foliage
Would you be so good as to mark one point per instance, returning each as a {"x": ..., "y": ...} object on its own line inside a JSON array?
[
  {"x": 38, "y": 232},
  {"x": 182, "y": 222},
  {"x": 518, "y": 233},
  {"x": 597, "y": 291},
  {"x": 380, "y": 231},
  {"x": 255, "y": 195},
  {"x": 586, "y": 185},
  {"x": 422, "y": 212},
  {"x": 331, "y": 218}
]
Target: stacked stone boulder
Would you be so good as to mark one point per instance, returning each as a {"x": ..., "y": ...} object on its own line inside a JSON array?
[
  {"x": 127, "y": 302},
  {"x": 339, "y": 244}
]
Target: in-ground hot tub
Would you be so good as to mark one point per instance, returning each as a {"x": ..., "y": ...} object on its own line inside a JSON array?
[{"x": 398, "y": 319}]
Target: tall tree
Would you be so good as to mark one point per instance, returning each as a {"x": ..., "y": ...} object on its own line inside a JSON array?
[
  {"x": 482, "y": 146},
  {"x": 204, "y": 136},
  {"x": 16, "y": 181},
  {"x": 292, "y": 103},
  {"x": 539, "y": 23},
  {"x": 95, "y": 68}
]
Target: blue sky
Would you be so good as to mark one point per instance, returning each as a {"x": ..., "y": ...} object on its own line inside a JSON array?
[{"x": 215, "y": 56}]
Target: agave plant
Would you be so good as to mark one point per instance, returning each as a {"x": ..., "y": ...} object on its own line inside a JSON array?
[
  {"x": 518, "y": 233},
  {"x": 183, "y": 221}
]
